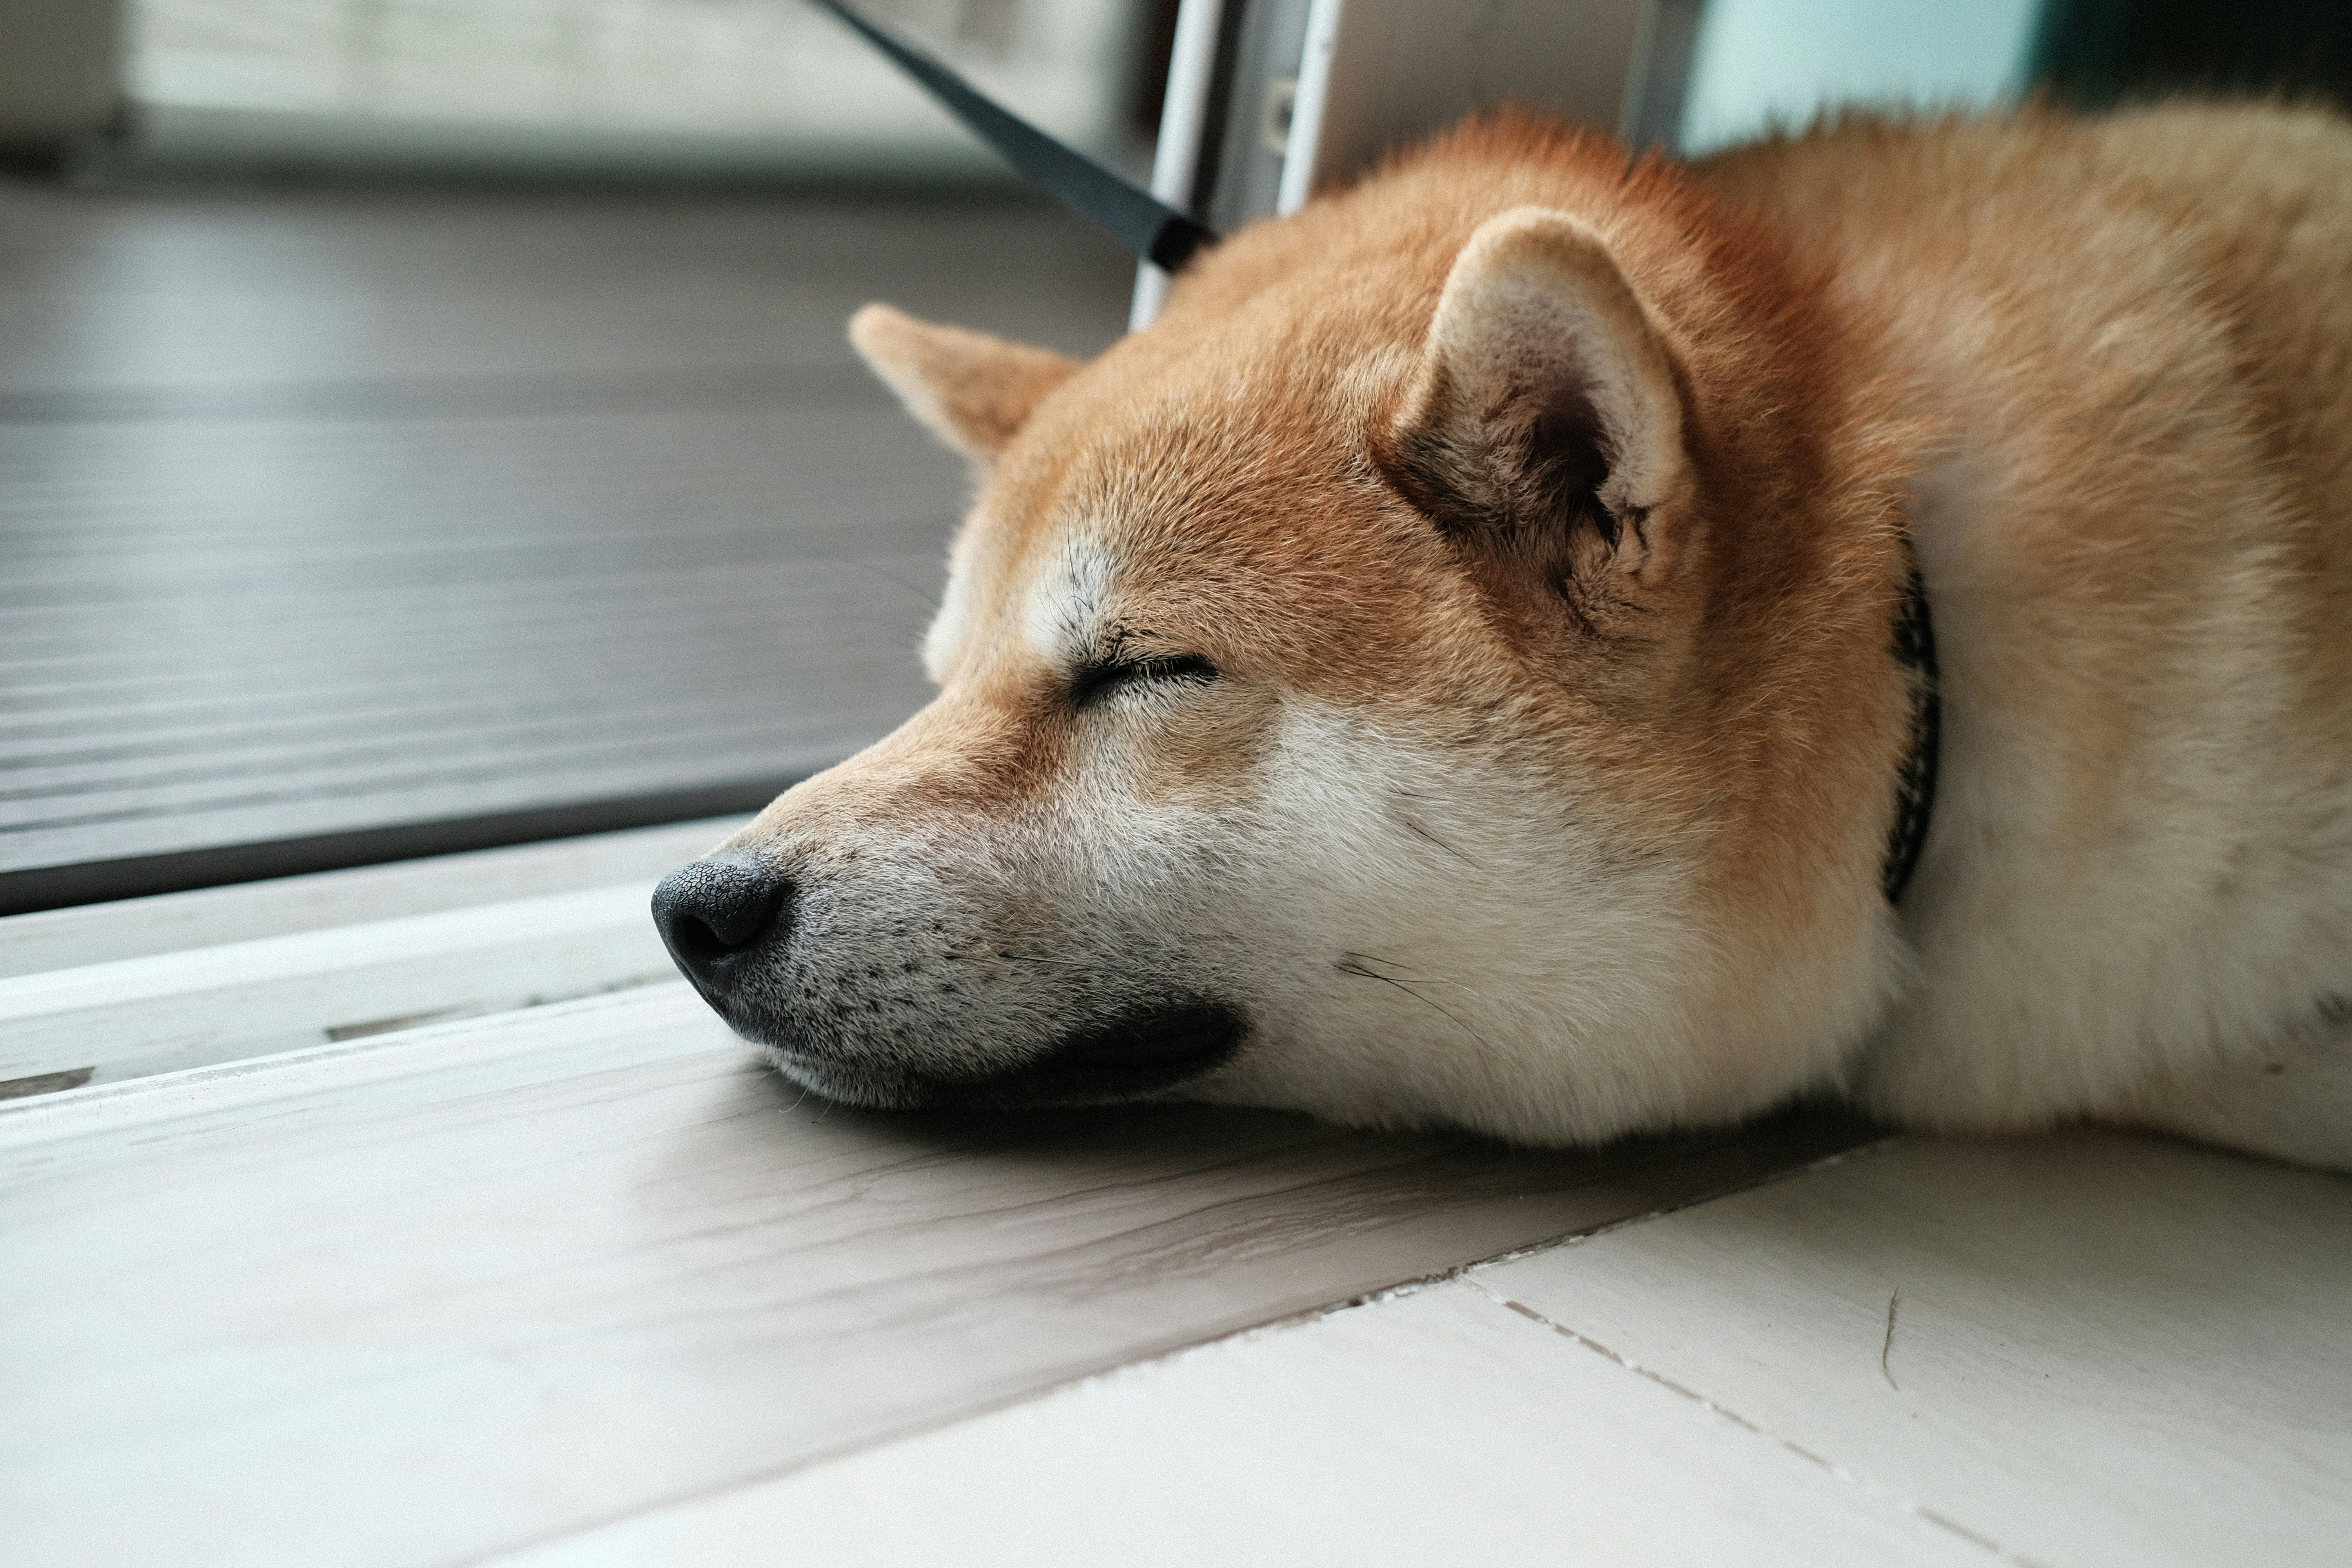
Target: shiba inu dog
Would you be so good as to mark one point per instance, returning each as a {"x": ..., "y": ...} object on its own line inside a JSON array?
[{"x": 1445, "y": 670}]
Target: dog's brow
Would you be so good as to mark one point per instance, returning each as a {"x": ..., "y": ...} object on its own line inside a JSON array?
[{"x": 1066, "y": 612}]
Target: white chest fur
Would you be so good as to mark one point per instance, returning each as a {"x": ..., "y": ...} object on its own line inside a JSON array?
[{"x": 2136, "y": 895}]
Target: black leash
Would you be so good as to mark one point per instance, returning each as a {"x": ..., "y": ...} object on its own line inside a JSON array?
[
  {"x": 1122, "y": 208},
  {"x": 1167, "y": 239}
]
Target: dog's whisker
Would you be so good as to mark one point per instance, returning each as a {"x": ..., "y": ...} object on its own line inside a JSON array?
[
  {"x": 1348, "y": 965},
  {"x": 1370, "y": 958},
  {"x": 1019, "y": 958},
  {"x": 1419, "y": 831}
]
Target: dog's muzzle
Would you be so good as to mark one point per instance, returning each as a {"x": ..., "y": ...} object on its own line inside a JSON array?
[{"x": 725, "y": 919}]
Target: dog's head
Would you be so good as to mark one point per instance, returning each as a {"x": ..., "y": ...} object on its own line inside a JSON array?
[{"x": 1436, "y": 674}]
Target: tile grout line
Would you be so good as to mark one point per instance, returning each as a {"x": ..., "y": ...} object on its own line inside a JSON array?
[
  {"x": 1852, "y": 1477},
  {"x": 1285, "y": 1323}
]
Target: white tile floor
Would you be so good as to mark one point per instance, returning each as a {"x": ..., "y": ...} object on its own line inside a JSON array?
[{"x": 573, "y": 1285}]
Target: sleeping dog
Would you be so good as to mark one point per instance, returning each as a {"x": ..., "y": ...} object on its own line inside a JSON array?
[{"x": 1459, "y": 666}]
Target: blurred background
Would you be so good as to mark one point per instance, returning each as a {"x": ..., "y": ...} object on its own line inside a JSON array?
[
  {"x": 597, "y": 87},
  {"x": 425, "y": 424}
]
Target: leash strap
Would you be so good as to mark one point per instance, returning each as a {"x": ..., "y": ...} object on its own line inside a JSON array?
[{"x": 1122, "y": 208}]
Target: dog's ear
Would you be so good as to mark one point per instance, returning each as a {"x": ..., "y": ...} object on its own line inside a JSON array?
[
  {"x": 973, "y": 391},
  {"x": 1543, "y": 428}
]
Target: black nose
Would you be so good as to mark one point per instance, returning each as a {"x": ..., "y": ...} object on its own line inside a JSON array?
[{"x": 714, "y": 909}]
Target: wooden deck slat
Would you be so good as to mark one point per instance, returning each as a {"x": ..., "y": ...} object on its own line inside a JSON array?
[
  {"x": 207, "y": 917},
  {"x": 487, "y": 1283},
  {"x": 2106, "y": 1350}
]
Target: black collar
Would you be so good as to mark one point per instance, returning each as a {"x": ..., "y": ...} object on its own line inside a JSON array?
[{"x": 1914, "y": 784}]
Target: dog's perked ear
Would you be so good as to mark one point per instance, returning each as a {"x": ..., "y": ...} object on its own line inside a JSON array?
[
  {"x": 1543, "y": 428},
  {"x": 970, "y": 390}
]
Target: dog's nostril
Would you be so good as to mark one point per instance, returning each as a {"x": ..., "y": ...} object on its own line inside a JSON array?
[
  {"x": 713, "y": 908},
  {"x": 696, "y": 940}
]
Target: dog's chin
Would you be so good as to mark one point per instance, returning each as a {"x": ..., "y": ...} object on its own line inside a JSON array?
[{"x": 1137, "y": 1056}]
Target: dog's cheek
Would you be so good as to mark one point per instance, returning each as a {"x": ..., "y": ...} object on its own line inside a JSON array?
[{"x": 1429, "y": 936}]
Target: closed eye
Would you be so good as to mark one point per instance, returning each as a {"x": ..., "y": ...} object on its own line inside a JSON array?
[{"x": 1094, "y": 682}]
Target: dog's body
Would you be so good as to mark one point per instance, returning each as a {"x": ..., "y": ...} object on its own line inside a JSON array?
[
  {"x": 1441, "y": 671},
  {"x": 2134, "y": 339}
]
